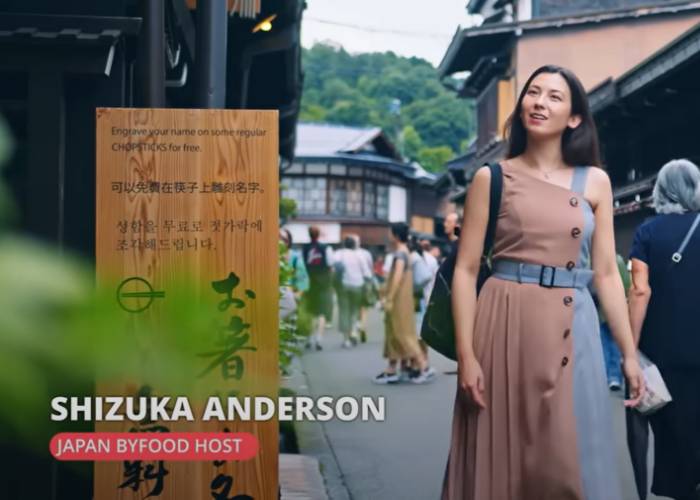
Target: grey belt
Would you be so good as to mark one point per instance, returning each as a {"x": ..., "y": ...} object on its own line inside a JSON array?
[{"x": 546, "y": 276}]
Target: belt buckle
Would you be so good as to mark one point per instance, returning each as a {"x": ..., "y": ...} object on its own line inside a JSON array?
[{"x": 551, "y": 281}]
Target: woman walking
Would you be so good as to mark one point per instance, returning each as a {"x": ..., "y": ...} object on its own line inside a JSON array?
[
  {"x": 400, "y": 339},
  {"x": 663, "y": 311},
  {"x": 531, "y": 418},
  {"x": 352, "y": 271}
]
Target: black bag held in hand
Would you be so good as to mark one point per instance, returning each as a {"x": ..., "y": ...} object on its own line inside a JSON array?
[{"x": 438, "y": 328}]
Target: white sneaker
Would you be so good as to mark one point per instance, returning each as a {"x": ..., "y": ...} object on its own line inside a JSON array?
[
  {"x": 614, "y": 385},
  {"x": 425, "y": 376},
  {"x": 347, "y": 344},
  {"x": 385, "y": 378}
]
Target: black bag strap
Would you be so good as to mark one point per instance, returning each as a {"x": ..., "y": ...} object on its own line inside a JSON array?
[{"x": 495, "y": 191}]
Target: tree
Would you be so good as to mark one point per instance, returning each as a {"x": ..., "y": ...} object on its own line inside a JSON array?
[
  {"x": 412, "y": 143},
  {"x": 313, "y": 113},
  {"x": 357, "y": 90},
  {"x": 434, "y": 159}
]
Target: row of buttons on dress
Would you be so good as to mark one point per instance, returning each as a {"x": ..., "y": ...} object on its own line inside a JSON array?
[{"x": 568, "y": 300}]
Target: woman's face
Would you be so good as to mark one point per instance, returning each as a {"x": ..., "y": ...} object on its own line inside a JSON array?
[{"x": 546, "y": 106}]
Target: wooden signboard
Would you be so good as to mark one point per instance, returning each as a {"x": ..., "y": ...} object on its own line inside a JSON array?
[{"x": 193, "y": 192}]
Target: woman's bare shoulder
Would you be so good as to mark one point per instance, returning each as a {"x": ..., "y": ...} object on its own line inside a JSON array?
[
  {"x": 598, "y": 177},
  {"x": 598, "y": 186}
]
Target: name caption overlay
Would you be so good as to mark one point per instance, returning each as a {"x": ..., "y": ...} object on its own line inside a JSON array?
[{"x": 178, "y": 446}]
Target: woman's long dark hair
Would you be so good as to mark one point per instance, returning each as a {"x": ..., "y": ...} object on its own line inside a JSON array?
[{"x": 579, "y": 146}]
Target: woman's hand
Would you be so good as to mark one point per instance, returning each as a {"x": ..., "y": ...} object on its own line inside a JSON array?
[
  {"x": 471, "y": 380},
  {"x": 635, "y": 380},
  {"x": 388, "y": 305}
]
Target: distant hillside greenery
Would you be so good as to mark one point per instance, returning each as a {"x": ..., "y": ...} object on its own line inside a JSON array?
[{"x": 431, "y": 125}]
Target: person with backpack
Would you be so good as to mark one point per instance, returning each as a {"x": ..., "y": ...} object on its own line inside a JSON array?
[
  {"x": 319, "y": 297},
  {"x": 531, "y": 415},
  {"x": 400, "y": 339}
]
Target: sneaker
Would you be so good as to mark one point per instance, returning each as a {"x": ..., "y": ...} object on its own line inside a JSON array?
[
  {"x": 354, "y": 340},
  {"x": 346, "y": 344},
  {"x": 615, "y": 385},
  {"x": 318, "y": 346},
  {"x": 386, "y": 378},
  {"x": 407, "y": 374},
  {"x": 423, "y": 377}
]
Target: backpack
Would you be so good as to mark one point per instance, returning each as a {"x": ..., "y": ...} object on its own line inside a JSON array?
[
  {"x": 438, "y": 328},
  {"x": 421, "y": 274},
  {"x": 317, "y": 266}
]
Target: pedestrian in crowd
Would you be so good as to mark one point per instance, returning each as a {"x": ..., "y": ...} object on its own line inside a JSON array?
[
  {"x": 379, "y": 273},
  {"x": 663, "y": 311},
  {"x": 437, "y": 253},
  {"x": 400, "y": 339},
  {"x": 452, "y": 226},
  {"x": 300, "y": 277},
  {"x": 369, "y": 290},
  {"x": 319, "y": 298},
  {"x": 433, "y": 263},
  {"x": 611, "y": 353},
  {"x": 352, "y": 270},
  {"x": 531, "y": 416},
  {"x": 424, "y": 267},
  {"x": 423, "y": 262},
  {"x": 298, "y": 281}
]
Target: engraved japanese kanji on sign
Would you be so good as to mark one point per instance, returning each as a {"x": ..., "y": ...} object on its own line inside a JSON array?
[{"x": 193, "y": 194}]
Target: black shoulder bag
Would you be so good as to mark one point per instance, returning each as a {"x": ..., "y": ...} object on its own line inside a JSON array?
[{"x": 438, "y": 328}]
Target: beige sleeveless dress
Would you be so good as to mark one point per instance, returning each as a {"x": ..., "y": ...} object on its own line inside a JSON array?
[{"x": 546, "y": 433}]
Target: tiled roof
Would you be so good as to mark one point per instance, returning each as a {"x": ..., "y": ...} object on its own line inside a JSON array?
[
  {"x": 40, "y": 28},
  {"x": 340, "y": 142},
  {"x": 315, "y": 139}
]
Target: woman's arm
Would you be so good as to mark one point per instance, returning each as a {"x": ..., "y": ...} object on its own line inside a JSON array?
[
  {"x": 608, "y": 283},
  {"x": 640, "y": 293},
  {"x": 471, "y": 247}
]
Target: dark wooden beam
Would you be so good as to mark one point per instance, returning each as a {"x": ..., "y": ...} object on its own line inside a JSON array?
[{"x": 44, "y": 196}]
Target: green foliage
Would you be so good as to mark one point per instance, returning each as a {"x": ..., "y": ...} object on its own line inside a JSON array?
[
  {"x": 358, "y": 89},
  {"x": 290, "y": 335},
  {"x": 433, "y": 159},
  {"x": 288, "y": 209},
  {"x": 412, "y": 143}
]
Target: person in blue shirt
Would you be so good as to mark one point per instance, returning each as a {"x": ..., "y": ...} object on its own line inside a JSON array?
[{"x": 663, "y": 304}]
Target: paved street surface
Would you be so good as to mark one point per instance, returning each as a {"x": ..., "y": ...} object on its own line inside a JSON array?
[{"x": 404, "y": 457}]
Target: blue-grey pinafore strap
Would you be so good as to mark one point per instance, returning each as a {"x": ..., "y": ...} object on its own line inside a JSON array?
[{"x": 578, "y": 183}]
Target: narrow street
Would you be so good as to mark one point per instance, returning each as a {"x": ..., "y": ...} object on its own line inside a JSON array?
[{"x": 404, "y": 457}]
